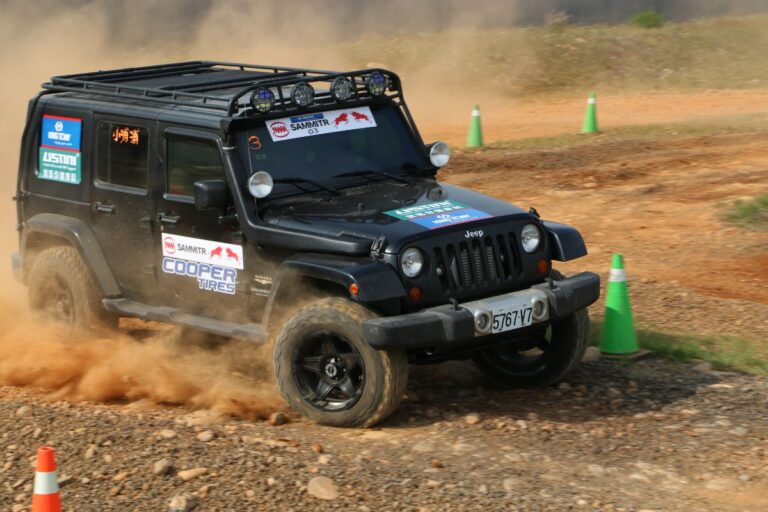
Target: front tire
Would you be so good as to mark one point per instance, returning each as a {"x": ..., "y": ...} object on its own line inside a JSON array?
[
  {"x": 61, "y": 289},
  {"x": 327, "y": 372}
]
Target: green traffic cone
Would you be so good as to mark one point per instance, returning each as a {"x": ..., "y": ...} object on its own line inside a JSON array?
[
  {"x": 475, "y": 137},
  {"x": 590, "y": 119},
  {"x": 619, "y": 336}
]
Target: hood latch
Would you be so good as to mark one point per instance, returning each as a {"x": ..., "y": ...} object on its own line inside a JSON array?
[{"x": 377, "y": 247}]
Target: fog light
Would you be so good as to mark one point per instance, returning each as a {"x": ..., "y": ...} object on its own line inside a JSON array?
[
  {"x": 263, "y": 100},
  {"x": 377, "y": 83},
  {"x": 303, "y": 95},
  {"x": 342, "y": 88},
  {"x": 540, "y": 309}
]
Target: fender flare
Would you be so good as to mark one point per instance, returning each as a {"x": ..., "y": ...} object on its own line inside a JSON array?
[
  {"x": 79, "y": 236},
  {"x": 377, "y": 281},
  {"x": 566, "y": 241}
]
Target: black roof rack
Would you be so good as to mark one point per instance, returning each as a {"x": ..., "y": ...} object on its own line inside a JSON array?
[{"x": 196, "y": 84}]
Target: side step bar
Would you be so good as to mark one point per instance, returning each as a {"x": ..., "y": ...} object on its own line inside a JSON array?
[{"x": 125, "y": 307}]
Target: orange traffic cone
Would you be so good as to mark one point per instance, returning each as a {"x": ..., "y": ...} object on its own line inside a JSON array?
[{"x": 46, "y": 494}]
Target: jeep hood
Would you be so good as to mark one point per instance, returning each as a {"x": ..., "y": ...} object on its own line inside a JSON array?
[{"x": 399, "y": 212}]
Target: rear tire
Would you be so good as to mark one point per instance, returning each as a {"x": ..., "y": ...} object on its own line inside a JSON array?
[
  {"x": 327, "y": 372},
  {"x": 61, "y": 288},
  {"x": 560, "y": 352}
]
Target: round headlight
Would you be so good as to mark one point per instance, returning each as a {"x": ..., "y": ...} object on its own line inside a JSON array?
[
  {"x": 377, "y": 83},
  {"x": 530, "y": 238},
  {"x": 342, "y": 89},
  {"x": 260, "y": 184},
  {"x": 263, "y": 100},
  {"x": 303, "y": 95},
  {"x": 439, "y": 154},
  {"x": 412, "y": 262}
]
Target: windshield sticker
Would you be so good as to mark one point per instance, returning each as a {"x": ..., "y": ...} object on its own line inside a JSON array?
[
  {"x": 320, "y": 123},
  {"x": 214, "y": 265},
  {"x": 59, "y": 157},
  {"x": 438, "y": 215}
]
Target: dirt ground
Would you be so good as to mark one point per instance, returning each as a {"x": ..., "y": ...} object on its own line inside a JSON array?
[
  {"x": 660, "y": 203},
  {"x": 650, "y": 436}
]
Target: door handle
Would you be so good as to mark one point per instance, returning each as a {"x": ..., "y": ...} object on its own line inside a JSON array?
[
  {"x": 100, "y": 207},
  {"x": 169, "y": 219}
]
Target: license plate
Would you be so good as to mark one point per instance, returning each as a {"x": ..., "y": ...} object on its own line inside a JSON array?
[{"x": 515, "y": 314}]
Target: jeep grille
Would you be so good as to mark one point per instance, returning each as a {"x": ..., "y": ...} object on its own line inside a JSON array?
[{"x": 477, "y": 262}]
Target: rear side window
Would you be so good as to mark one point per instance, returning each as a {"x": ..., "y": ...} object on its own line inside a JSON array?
[
  {"x": 189, "y": 161},
  {"x": 123, "y": 155}
]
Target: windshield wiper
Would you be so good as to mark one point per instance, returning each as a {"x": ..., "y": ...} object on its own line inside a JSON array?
[
  {"x": 298, "y": 181},
  {"x": 368, "y": 172}
]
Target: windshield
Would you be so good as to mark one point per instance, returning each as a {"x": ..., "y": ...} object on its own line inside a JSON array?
[{"x": 322, "y": 146}]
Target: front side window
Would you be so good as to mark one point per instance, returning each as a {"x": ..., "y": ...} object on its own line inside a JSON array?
[
  {"x": 189, "y": 161},
  {"x": 123, "y": 156}
]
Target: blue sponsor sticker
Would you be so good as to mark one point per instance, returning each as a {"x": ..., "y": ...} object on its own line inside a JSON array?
[
  {"x": 61, "y": 132},
  {"x": 439, "y": 214},
  {"x": 307, "y": 117}
]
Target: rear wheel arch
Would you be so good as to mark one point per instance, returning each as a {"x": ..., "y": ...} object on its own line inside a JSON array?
[{"x": 46, "y": 230}]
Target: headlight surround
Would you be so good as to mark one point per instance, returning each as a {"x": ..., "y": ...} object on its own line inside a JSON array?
[
  {"x": 412, "y": 262},
  {"x": 530, "y": 238}
]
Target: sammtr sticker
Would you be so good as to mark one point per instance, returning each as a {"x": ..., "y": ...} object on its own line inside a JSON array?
[
  {"x": 203, "y": 251},
  {"x": 320, "y": 123},
  {"x": 213, "y": 264},
  {"x": 438, "y": 215}
]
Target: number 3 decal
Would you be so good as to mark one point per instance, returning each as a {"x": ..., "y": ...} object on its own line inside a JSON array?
[{"x": 254, "y": 142}]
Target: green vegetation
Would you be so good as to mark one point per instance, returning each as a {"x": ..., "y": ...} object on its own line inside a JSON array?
[
  {"x": 725, "y": 353},
  {"x": 752, "y": 214},
  {"x": 647, "y": 19},
  {"x": 726, "y": 52}
]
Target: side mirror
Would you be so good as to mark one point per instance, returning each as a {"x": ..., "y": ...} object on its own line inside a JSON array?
[{"x": 211, "y": 194}]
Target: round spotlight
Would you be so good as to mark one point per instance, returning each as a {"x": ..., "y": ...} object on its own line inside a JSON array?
[
  {"x": 263, "y": 100},
  {"x": 377, "y": 83},
  {"x": 260, "y": 184},
  {"x": 303, "y": 95},
  {"x": 342, "y": 89},
  {"x": 439, "y": 153}
]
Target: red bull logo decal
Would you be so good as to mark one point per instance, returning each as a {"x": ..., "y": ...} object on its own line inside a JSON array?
[
  {"x": 357, "y": 116},
  {"x": 321, "y": 123},
  {"x": 342, "y": 118}
]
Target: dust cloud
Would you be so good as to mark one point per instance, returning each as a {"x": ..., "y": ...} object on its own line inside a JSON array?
[
  {"x": 43, "y": 38},
  {"x": 152, "y": 365}
]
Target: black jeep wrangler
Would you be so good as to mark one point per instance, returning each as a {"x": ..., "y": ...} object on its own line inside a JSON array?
[{"x": 294, "y": 206}]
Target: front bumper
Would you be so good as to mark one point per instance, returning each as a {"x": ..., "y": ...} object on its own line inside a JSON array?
[
  {"x": 17, "y": 265},
  {"x": 446, "y": 325}
]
